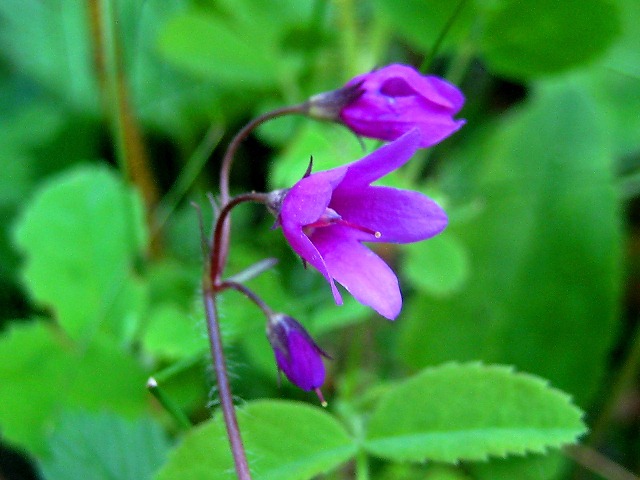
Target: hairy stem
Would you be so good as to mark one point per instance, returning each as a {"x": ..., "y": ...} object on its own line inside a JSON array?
[
  {"x": 224, "y": 389},
  {"x": 220, "y": 234},
  {"x": 227, "y": 163}
]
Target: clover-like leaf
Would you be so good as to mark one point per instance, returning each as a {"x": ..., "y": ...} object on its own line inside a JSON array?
[{"x": 284, "y": 441}]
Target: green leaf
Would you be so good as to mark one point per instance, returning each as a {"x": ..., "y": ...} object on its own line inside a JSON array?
[
  {"x": 614, "y": 84},
  {"x": 407, "y": 471},
  {"x": 284, "y": 441},
  {"x": 41, "y": 373},
  {"x": 173, "y": 333},
  {"x": 531, "y": 467},
  {"x": 207, "y": 46},
  {"x": 525, "y": 39},
  {"x": 438, "y": 266},
  {"x": 51, "y": 43},
  {"x": 81, "y": 235},
  {"x": 104, "y": 447},
  {"x": 544, "y": 250},
  {"x": 470, "y": 412}
]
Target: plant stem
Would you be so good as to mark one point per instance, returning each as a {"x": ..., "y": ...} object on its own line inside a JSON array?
[
  {"x": 131, "y": 154},
  {"x": 224, "y": 389},
  {"x": 250, "y": 295},
  {"x": 428, "y": 60},
  {"x": 169, "y": 405},
  {"x": 227, "y": 163},
  {"x": 212, "y": 283},
  {"x": 187, "y": 176},
  {"x": 362, "y": 465},
  {"x": 220, "y": 234},
  {"x": 595, "y": 462},
  {"x": 621, "y": 383}
]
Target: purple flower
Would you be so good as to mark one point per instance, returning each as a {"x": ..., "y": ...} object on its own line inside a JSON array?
[
  {"x": 297, "y": 355},
  {"x": 388, "y": 102},
  {"x": 327, "y": 215}
]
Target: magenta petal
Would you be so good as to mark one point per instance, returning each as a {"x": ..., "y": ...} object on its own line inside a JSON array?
[
  {"x": 303, "y": 365},
  {"x": 442, "y": 92},
  {"x": 365, "y": 275},
  {"x": 397, "y": 98},
  {"x": 401, "y": 216},
  {"x": 302, "y": 245},
  {"x": 377, "y": 164},
  {"x": 308, "y": 199}
]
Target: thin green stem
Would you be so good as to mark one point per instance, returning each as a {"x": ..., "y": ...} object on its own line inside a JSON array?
[
  {"x": 180, "y": 367},
  {"x": 428, "y": 60},
  {"x": 362, "y": 465},
  {"x": 621, "y": 384},
  {"x": 189, "y": 173},
  {"x": 460, "y": 64},
  {"x": 169, "y": 405},
  {"x": 348, "y": 37}
]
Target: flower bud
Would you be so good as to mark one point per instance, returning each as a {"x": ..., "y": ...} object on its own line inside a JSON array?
[
  {"x": 297, "y": 355},
  {"x": 389, "y": 102},
  {"x": 328, "y": 105}
]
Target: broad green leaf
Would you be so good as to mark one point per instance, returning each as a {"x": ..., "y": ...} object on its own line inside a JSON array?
[
  {"x": 422, "y": 21},
  {"x": 205, "y": 45},
  {"x": 81, "y": 235},
  {"x": 471, "y": 412},
  {"x": 104, "y": 446},
  {"x": 614, "y": 83},
  {"x": 33, "y": 368},
  {"x": 544, "y": 251},
  {"x": 438, "y": 266},
  {"x": 41, "y": 373},
  {"x": 173, "y": 333},
  {"x": 525, "y": 39},
  {"x": 284, "y": 441},
  {"x": 622, "y": 58}
]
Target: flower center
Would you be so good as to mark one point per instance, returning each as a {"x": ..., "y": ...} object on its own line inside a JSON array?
[{"x": 331, "y": 217}]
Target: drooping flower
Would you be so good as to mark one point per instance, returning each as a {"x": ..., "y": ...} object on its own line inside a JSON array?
[
  {"x": 388, "y": 102},
  {"x": 327, "y": 215},
  {"x": 297, "y": 355}
]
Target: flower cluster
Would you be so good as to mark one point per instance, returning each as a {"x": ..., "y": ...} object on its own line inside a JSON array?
[{"x": 326, "y": 216}]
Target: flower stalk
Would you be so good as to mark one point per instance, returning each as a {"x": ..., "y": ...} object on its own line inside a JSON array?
[
  {"x": 212, "y": 285},
  {"x": 327, "y": 215}
]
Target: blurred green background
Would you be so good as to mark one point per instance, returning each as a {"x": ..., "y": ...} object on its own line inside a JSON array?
[{"x": 114, "y": 115}]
